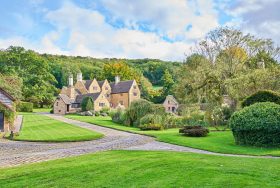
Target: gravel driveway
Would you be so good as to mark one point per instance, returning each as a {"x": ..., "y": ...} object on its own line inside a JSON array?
[{"x": 13, "y": 153}]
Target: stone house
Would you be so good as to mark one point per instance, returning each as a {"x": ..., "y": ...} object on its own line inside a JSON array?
[
  {"x": 7, "y": 106},
  {"x": 104, "y": 94},
  {"x": 170, "y": 104}
]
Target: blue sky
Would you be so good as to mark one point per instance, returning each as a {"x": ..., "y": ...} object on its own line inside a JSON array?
[{"x": 162, "y": 29}]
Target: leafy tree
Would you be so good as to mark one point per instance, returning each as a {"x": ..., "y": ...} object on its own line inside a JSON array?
[
  {"x": 12, "y": 84},
  {"x": 87, "y": 104},
  {"x": 119, "y": 68},
  {"x": 38, "y": 82},
  {"x": 168, "y": 83}
]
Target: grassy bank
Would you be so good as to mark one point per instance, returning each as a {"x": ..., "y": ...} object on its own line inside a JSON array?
[{"x": 220, "y": 141}]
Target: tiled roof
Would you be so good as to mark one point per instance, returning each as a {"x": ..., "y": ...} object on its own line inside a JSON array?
[
  {"x": 87, "y": 83},
  {"x": 65, "y": 99},
  {"x": 171, "y": 97},
  {"x": 80, "y": 98},
  {"x": 100, "y": 83},
  {"x": 121, "y": 87},
  {"x": 7, "y": 94}
]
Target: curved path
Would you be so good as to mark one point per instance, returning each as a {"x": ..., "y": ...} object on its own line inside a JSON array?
[{"x": 14, "y": 153}]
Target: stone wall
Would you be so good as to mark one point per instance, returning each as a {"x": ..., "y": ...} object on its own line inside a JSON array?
[{"x": 59, "y": 107}]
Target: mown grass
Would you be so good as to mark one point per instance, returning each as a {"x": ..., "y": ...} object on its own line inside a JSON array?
[
  {"x": 216, "y": 141},
  {"x": 42, "y": 128},
  {"x": 145, "y": 169},
  {"x": 41, "y": 109}
]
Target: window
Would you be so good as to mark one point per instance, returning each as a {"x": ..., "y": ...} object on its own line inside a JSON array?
[
  {"x": 106, "y": 88},
  {"x": 75, "y": 105},
  {"x": 56, "y": 103},
  {"x": 121, "y": 94},
  {"x": 121, "y": 102},
  {"x": 107, "y": 95},
  {"x": 134, "y": 87},
  {"x": 135, "y": 94},
  {"x": 101, "y": 104},
  {"x": 168, "y": 108},
  {"x": 168, "y": 102},
  {"x": 94, "y": 88}
]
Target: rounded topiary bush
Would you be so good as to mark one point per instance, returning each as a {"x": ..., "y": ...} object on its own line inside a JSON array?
[
  {"x": 194, "y": 131},
  {"x": 257, "y": 125},
  {"x": 262, "y": 96}
]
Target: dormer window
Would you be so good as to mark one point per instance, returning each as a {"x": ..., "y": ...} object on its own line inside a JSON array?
[
  {"x": 94, "y": 88},
  {"x": 106, "y": 88},
  {"x": 134, "y": 87},
  {"x": 135, "y": 94}
]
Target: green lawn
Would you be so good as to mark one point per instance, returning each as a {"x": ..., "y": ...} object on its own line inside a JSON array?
[
  {"x": 157, "y": 87},
  {"x": 41, "y": 109},
  {"x": 220, "y": 141},
  {"x": 42, "y": 128},
  {"x": 145, "y": 169}
]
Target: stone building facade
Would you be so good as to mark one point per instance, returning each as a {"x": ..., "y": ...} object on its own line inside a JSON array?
[
  {"x": 7, "y": 104},
  {"x": 104, "y": 94},
  {"x": 170, "y": 104}
]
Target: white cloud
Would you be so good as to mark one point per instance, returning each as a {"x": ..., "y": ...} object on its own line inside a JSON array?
[
  {"x": 90, "y": 34},
  {"x": 260, "y": 18},
  {"x": 170, "y": 17}
]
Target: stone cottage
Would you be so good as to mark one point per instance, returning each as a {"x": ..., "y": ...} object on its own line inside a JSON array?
[
  {"x": 171, "y": 104},
  {"x": 6, "y": 109},
  {"x": 104, "y": 94}
]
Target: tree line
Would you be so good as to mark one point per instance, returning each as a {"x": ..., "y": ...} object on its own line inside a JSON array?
[{"x": 38, "y": 78}]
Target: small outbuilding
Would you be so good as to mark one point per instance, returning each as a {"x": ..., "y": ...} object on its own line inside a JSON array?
[
  {"x": 7, "y": 110},
  {"x": 171, "y": 104}
]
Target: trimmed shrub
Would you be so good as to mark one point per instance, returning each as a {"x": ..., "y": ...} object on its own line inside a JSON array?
[
  {"x": 24, "y": 106},
  {"x": 194, "y": 131},
  {"x": 87, "y": 104},
  {"x": 151, "y": 126},
  {"x": 262, "y": 96},
  {"x": 257, "y": 125},
  {"x": 151, "y": 119}
]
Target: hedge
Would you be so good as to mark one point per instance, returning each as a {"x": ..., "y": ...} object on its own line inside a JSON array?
[
  {"x": 257, "y": 125},
  {"x": 24, "y": 106},
  {"x": 262, "y": 96}
]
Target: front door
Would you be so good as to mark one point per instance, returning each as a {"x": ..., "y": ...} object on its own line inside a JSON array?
[{"x": 1, "y": 121}]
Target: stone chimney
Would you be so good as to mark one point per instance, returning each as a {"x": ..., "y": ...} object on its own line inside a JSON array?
[
  {"x": 117, "y": 79},
  {"x": 70, "y": 80},
  {"x": 79, "y": 77}
]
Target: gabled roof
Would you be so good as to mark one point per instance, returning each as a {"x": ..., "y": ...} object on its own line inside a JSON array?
[
  {"x": 65, "y": 99},
  {"x": 87, "y": 83},
  {"x": 80, "y": 98},
  {"x": 121, "y": 87},
  {"x": 171, "y": 97},
  {"x": 100, "y": 83},
  {"x": 7, "y": 94}
]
